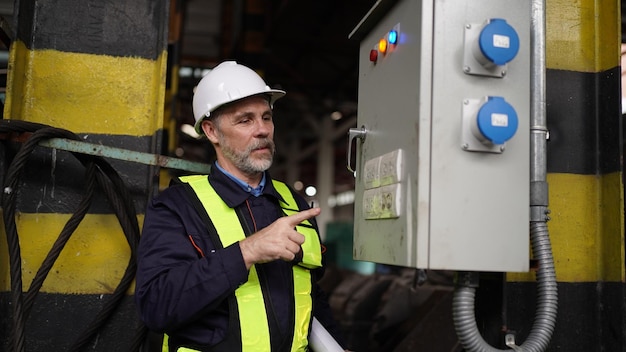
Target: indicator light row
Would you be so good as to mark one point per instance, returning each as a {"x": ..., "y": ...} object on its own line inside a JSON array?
[
  {"x": 385, "y": 44},
  {"x": 497, "y": 43}
]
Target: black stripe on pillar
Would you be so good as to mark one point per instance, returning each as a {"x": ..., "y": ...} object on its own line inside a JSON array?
[
  {"x": 95, "y": 26},
  {"x": 583, "y": 118}
]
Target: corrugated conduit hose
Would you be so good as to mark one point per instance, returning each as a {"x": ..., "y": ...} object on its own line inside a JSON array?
[{"x": 547, "y": 302}]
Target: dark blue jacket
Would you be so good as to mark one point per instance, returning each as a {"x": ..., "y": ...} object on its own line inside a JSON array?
[{"x": 185, "y": 295}]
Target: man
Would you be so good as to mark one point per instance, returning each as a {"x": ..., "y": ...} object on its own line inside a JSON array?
[{"x": 229, "y": 261}]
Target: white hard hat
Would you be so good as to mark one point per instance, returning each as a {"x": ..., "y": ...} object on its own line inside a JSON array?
[{"x": 227, "y": 82}]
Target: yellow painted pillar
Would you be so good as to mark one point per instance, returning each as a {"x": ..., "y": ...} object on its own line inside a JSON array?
[
  {"x": 585, "y": 180},
  {"x": 96, "y": 69}
]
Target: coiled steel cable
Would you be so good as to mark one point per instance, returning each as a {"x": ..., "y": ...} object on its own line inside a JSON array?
[{"x": 98, "y": 171}]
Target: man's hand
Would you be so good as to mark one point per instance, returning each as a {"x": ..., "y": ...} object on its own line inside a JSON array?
[{"x": 280, "y": 240}]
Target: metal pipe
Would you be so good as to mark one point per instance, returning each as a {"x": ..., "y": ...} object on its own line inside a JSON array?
[
  {"x": 538, "y": 125},
  {"x": 125, "y": 155}
]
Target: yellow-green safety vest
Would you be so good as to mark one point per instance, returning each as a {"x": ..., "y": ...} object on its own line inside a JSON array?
[{"x": 250, "y": 303}]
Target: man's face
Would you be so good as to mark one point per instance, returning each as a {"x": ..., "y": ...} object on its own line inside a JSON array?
[{"x": 243, "y": 136}]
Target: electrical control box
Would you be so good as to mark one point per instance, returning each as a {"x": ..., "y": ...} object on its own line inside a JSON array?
[{"x": 441, "y": 152}]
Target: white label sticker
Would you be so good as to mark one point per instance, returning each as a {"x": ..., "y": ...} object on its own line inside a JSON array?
[
  {"x": 501, "y": 41},
  {"x": 500, "y": 120}
]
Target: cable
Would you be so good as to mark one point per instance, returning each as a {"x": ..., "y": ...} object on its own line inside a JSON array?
[
  {"x": 545, "y": 313},
  {"x": 99, "y": 172}
]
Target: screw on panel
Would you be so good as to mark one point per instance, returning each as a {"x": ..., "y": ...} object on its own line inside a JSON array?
[
  {"x": 465, "y": 146},
  {"x": 501, "y": 148},
  {"x": 503, "y": 73},
  {"x": 468, "y": 26},
  {"x": 466, "y": 69}
]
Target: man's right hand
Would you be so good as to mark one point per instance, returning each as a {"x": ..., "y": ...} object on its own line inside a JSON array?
[{"x": 279, "y": 240}]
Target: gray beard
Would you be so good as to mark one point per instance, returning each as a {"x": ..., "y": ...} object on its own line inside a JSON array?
[{"x": 243, "y": 161}]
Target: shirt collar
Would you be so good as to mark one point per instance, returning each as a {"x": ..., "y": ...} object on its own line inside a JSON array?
[
  {"x": 232, "y": 193},
  {"x": 255, "y": 191}
]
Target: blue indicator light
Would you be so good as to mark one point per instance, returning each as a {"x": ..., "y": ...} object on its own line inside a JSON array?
[
  {"x": 392, "y": 38},
  {"x": 498, "y": 42},
  {"x": 497, "y": 120}
]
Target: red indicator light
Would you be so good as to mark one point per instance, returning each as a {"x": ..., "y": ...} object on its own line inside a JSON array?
[
  {"x": 382, "y": 46},
  {"x": 373, "y": 55}
]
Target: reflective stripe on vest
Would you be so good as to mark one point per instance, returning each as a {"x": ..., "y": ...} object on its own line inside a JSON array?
[
  {"x": 251, "y": 306},
  {"x": 311, "y": 258},
  {"x": 311, "y": 253}
]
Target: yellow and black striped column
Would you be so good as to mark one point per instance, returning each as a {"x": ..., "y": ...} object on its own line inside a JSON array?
[
  {"x": 96, "y": 68},
  {"x": 585, "y": 181}
]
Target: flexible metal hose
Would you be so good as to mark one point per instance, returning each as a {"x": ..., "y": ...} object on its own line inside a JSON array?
[{"x": 547, "y": 303}]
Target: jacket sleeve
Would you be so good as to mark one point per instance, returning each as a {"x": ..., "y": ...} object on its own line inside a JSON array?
[{"x": 180, "y": 274}]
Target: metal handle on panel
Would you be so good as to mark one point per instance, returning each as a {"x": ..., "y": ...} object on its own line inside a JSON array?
[{"x": 353, "y": 133}]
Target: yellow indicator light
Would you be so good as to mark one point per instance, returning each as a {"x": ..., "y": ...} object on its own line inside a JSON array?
[{"x": 382, "y": 46}]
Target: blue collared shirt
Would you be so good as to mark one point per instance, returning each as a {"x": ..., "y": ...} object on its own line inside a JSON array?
[{"x": 255, "y": 191}]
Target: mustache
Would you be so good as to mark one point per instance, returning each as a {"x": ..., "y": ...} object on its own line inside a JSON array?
[{"x": 262, "y": 143}]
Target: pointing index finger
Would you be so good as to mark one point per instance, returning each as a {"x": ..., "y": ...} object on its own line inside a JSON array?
[{"x": 297, "y": 218}]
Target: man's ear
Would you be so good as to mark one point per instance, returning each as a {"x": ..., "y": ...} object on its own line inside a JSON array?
[{"x": 208, "y": 127}]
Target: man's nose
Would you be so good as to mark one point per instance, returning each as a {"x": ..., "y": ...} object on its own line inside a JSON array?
[{"x": 264, "y": 128}]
